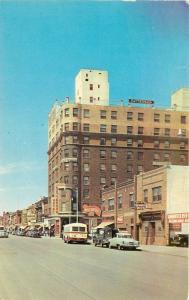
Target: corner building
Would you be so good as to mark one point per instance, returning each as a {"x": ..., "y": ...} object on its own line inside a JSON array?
[{"x": 93, "y": 144}]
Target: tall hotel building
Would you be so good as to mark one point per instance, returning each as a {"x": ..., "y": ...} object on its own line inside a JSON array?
[{"x": 93, "y": 144}]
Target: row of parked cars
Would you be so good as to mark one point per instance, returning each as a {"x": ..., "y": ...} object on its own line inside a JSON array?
[{"x": 28, "y": 233}]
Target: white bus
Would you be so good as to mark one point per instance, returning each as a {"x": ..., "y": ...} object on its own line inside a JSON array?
[{"x": 75, "y": 232}]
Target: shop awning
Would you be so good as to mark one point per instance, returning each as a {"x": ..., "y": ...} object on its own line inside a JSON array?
[{"x": 104, "y": 224}]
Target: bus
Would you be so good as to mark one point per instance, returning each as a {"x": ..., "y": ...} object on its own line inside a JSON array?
[{"x": 75, "y": 232}]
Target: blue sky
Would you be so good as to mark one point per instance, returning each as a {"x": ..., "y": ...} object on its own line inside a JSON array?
[{"x": 143, "y": 45}]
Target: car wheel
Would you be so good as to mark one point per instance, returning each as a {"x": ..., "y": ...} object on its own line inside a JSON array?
[{"x": 95, "y": 244}]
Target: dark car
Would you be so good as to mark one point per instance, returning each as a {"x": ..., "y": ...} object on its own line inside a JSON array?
[
  {"x": 103, "y": 236},
  {"x": 179, "y": 240}
]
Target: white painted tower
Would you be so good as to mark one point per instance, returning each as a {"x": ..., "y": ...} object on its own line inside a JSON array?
[{"x": 92, "y": 87}]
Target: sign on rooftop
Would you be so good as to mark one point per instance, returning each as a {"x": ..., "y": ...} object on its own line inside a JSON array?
[{"x": 141, "y": 101}]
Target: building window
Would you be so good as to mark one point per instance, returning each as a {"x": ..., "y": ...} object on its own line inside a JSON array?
[
  {"x": 182, "y": 158},
  {"x": 66, "y": 140},
  {"x": 102, "y": 167},
  {"x": 91, "y": 99},
  {"x": 66, "y": 179},
  {"x": 156, "y": 144},
  {"x": 113, "y": 128},
  {"x": 66, "y": 166},
  {"x": 156, "y": 117},
  {"x": 102, "y": 128},
  {"x": 166, "y": 156},
  {"x": 75, "y": 179},
  {"x": 129, "y": 115},
  {"x": 86, "y": 140},
  {"x": 139, "y": 169},
  {"x": 86, "y": 193},
  {"x": 129, "y": 168},
  {"x": 66, "y": 153},
  {"x": 75, "y": 139},
  {"x": 113, "y": 180},
  {"x": 85, "y": 127},
  {"x": 140, "y": 155},
  {"x": 183, "y": 119},
  {"x": 103, "y": 114},
  {"x": 113, "y": 115},
  {"x": 113, "y": 168},
  {"x": 86, "y": 180},
  {"x": 74, "y": 152},
  {"x": 75, "y": 166},
  {"x": 86, "y": 167},
  {"x": 145, "y": 195},
  {"x": 111, "y": 204},
  {"x": 129, "y": 129},
  {"x": 113, "y": 141},
  {"x": 167, "y": 118},
  {"x": 140, "y": 130},
  {"x": 120, "y": 201},
  {"x": 113, "y": 154},
  {"x": 131, "y": 200},
  {"x": 102, "y": 180},
  {"x": 140, "y": 143},
  {"x": 98, "y": 86},
  {"x": 66, "y": 126},
  {"x": 140, "y": 117},
  {"x": 166, "y": 144},
  {"x": 167, "y": 131},
  {"x": 67, "y": 112},
  {"x": 129, "y": 142},
  {"x": 102, "y": 153},
  {"x": 75, "y": 112},
  {"x": 129, "y": 155},
  {"x": 91, "y": 87},
  {"x": 156, "y": 131},
  {"x": 157, "y": 193},
  {"x": 182, "y": 145},
  {"x": 86, "y": 113},
  {"x": 156, "y": 156},
  {"x": 75, "y": 126},
  {"x": 85, "y": 153},
  {"x": 102, "y": 141}
]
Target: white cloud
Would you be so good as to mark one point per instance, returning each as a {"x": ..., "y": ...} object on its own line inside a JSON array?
[{"x": 18, "y": 167}]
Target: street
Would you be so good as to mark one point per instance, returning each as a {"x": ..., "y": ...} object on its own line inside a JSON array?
[{"x": 49, "y": 269}]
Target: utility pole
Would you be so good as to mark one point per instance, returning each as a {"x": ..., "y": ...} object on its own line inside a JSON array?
[
  {"x": 115, "y": 204},
  {"x": 77, "y": 216}
]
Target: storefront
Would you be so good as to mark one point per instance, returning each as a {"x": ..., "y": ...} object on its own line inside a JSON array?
[{"x": 152, "y": 228}]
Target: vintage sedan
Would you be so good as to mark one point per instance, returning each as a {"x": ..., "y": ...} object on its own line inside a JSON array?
[
  {"x": 123, "y": 240},
  {"x": 3, "y": 232}
]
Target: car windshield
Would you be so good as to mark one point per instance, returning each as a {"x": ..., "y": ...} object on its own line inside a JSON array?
[{"x": 126, "y": 236}]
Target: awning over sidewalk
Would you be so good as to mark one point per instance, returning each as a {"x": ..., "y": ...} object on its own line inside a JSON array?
[{"x": 104, "y": 224}]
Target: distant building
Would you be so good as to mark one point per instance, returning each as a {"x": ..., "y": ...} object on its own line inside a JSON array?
[
  {"x": 92, "y": 144},
  {"x": 180, "y": 100}
]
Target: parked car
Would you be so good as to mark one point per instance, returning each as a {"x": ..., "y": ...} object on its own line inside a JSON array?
[
  {"x": 103, "y": 235},
  {"x": 3, "y": 232},
  {"x": 123, "y": 240},
  {"x": 180, "y": 239}
]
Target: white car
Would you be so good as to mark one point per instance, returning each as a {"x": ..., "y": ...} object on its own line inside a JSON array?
[
  {"x": 3, "y": 232},
  {"x": 123, "y": 240}
]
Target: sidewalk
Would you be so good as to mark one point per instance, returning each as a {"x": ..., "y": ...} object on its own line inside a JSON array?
[{"x": 167, "y": 250}]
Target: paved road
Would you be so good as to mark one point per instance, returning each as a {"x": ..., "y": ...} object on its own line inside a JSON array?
[{"x": 48, "y": 269}]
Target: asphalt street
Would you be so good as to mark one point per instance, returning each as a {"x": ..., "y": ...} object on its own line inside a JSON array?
[{"x": 48, "y": 269}]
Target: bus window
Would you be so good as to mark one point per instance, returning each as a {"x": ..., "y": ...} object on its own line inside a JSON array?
[
  {"x": 75, "y": 228},
  {"x": 82, "y": 229}
]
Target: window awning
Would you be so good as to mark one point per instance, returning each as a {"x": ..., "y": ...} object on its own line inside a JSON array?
[{"x": 104, "y": 224}]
